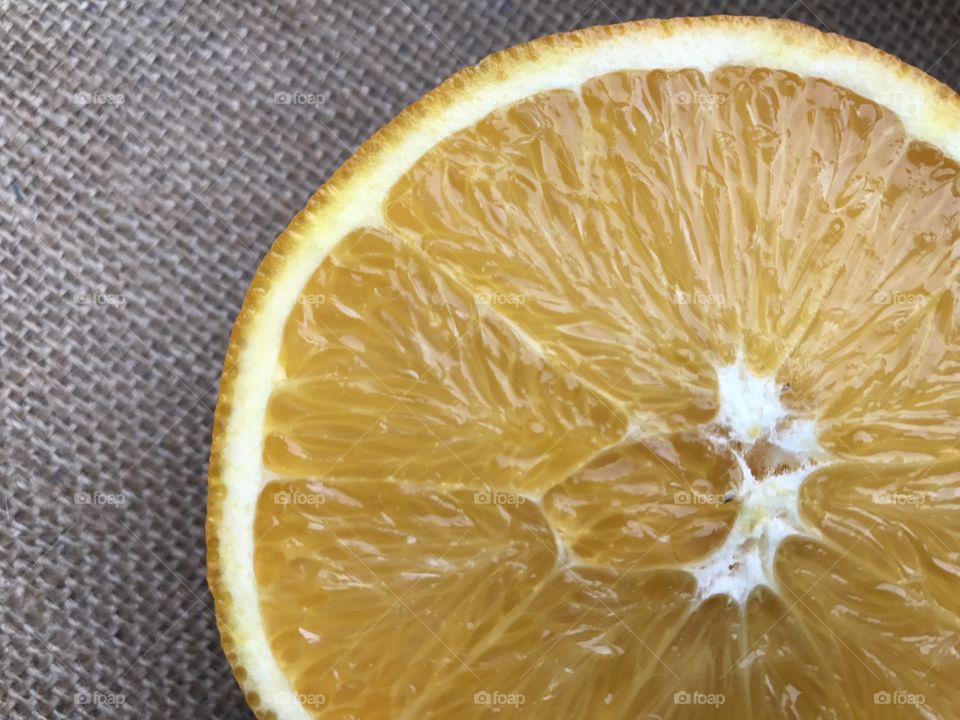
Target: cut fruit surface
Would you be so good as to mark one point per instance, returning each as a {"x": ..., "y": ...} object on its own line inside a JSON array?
[{"x": 620, "y": 377}]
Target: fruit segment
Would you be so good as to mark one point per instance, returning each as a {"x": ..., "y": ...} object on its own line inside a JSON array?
[
  {"x": 372, "y": 590},
  {"x": 583, "y": 646},
  {"x": 899, "y": 520},
  {"x": 875, "y": 629},
  {"x": 796, "y": 669},
  {"x": 663, "y": 502},
  {"x": 520, "y": 207},
  {"x": 390, "y": 369},
  {"x": 896, "y": 281},
  {"x": 897, "y": 395},
  {"x": 698, "y": 675}
]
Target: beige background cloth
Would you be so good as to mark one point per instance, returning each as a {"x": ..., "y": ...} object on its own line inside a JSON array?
[{"x": 148, "y": 161}]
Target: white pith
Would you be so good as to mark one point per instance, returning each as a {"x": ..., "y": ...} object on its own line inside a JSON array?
[
  {"x": 751, "y": 410},
  {"x": 357, "y": 203}
]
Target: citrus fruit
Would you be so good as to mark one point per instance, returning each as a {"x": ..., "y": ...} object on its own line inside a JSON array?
[{"x": 618, "y": 377}]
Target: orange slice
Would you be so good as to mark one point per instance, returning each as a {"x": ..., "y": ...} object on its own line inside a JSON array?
[{"x": 618, "y": 377}]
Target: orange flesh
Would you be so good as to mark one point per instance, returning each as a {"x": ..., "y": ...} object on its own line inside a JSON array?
[{"x": 485, "y": 413}]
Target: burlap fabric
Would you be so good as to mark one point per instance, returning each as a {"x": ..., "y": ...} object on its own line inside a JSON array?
[{"x": 151, "y": 152}]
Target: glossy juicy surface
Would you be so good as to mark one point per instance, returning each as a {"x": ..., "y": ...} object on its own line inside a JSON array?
[{"x": 490, "y": 440}]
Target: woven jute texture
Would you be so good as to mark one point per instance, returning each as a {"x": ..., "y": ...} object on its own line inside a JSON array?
[{"x": 150, "y": 155}]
